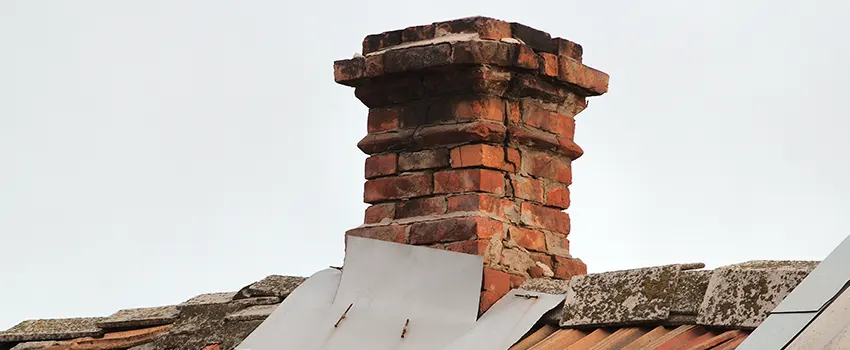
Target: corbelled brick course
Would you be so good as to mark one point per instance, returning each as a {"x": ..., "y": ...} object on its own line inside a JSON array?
[{"x": 470, "y": 136}]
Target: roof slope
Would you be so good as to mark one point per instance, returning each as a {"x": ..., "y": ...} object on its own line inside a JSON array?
[{"x": 648, "y": 308}]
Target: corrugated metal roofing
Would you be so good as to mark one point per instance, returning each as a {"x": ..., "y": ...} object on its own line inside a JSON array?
[{"x": 633, "y": 338}]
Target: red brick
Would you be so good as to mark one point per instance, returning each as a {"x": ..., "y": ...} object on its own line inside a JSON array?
[
  {"x": 377, "y": 42},
  {"x": 514, "y": 115},
  {"x": 557, "y": 244},
  {"x": 535, "y": 115},
  {"x": 417, "y": 33},
  {"x": 384, "y": 118},
  {"x": 417, "y": 58},
  {"x": 483, "y": 108},
  {"x": 487, "y": 28},
  {"x": 544, "y": 217},
  {"x": 549, "y": 166},
  {"x": 550, "y": 64},
  {"x": 592, "y": 81},
  {"x": 379, "y": 212},
  {"x": 420, "y": 207},
  {"x": 442, "y": 135},
  {"x": 558, "y": 195},
  {"x": 545, "y": 259},
  {"x": 453, "y": 229},
  {"x": 374, "y": 66},
  {"x": 480, "y": 155},
  {"x": 482, "y": 52},
  {"x": 567, "y": 48},
  {"x": 536, "y": 271},
  {"x": 517, "y": 281},
  {"x": 487, "y": 301},
  {"x": 391, "y": 233},
  {"x": 514, "y": 158},
  {"x": 565, "y": 268},
  {"x": 386, "y": 141},
  {"x": 477, "y": 202},
  {"x": 469, "y": 180},
  {"x": 526, "y": 58},
  {"x": 426, "y": 159},
  {"x": 474, "y": 247},
  {"x": 390, "y": 91},
  {"x": 381, "y": 165},
  {"x": 528, "y": 238},
  {"x": 212, "y": 347},
  {"x": 396, "y": 187},
  {"x": 349, "y": 72},
  {"x": 527, "y": 188},
  {"x": 496, "y": 281}
]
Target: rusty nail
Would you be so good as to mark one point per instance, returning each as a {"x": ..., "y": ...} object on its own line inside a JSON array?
[
  {"x": 527, "y": 296},
  {"x": 404, "y": 330},
  {"x": 343, "y": 315}
]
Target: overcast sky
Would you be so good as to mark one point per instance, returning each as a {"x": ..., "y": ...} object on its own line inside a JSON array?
[{"x": 155, "y": 150}]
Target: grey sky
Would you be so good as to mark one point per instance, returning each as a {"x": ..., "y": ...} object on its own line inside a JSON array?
[{"x": 155, "y": 150}]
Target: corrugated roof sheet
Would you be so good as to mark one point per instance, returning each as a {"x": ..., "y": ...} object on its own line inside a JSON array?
[{"x": 634, "y": 338}]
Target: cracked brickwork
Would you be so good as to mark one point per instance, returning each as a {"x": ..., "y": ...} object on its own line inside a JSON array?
[{"x": 470, "y": 143}]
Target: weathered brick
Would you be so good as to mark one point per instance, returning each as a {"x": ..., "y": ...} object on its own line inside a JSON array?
[
  {"x": 557, "y": 244},
  {"x": 481, "y": 108},
  {"x": 533, "y": 114},
  {"x": 487, "y": 28},
  {"x": 417, "y": 58},
  {"x": 479, "y": 202},
  {"x": 557, "y": 195},
  {"x": 528, "y": 238},
  {"x": 374, "y": 66},
  {"x": 397, "y": 187},
  {"x": 480, "y": 155},
  {"x": 539, "y": 164},
  {"x": 474, "y": 247},
  {"x": 379, "y": 212},
  {"x": 425, "y": 159},
  {"x": 386, "y": 142},
  {"x": 467, "y": 80},
  {"x": 544, "y": 217},
  {"x": 390, "y": 91},
  {"x": 591, "y": 81},
  {"x": 526, "y": 58},
  {"x": 469, "y": 180},
  {"x": 566, "y": 268},
  {"x": 377, "y": 42},
  {"x": 543, "y": 258},
  {"x": 391, "y": 233},
  {"x": 537, "y": 39},
  {"x": 443, "y": 135},
  {"x": 453, "y": 229},
  {"x": 566, "y": 48},
  {"x": 516, "y": 281},
  {"x": 539, "y": 87},
  {"x": 514, "y": 158},
  {"x": 420, "y": 207},
  {"x": 381, "y": 165},
  {"x": 496, "y": 281},
  {"x": 514, "y": 115},
  {"x": 527, "y": 188},
  {"x": 550, "y": 64},
  {"x": 482, "y": 52},
  {"x": 384, "y": 118},
  {"x": 348, "y": 72},
  {"x": 417, "y": 33},
  {"x": 487, "y": 300}
]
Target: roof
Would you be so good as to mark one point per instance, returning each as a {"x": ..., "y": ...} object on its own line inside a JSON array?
[
  {"x": 649, "y": 308},
  {"x": 816, "y": 315}
]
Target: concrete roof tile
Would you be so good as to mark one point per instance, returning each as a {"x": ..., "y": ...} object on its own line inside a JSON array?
[
  {"x": 55, "y": 329},
  {"x": 140, "y": 317}
]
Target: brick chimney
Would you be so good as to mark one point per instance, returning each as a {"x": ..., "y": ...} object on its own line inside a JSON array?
[{"x": 470, "y": 143}]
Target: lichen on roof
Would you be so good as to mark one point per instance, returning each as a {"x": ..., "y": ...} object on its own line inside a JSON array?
[{"x": 55, "y": 329}]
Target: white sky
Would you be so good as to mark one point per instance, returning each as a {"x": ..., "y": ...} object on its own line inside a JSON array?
[{"x": 155, "y": 150}]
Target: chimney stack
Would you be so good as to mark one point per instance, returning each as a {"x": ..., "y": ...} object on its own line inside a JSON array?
[{"x": 470, "y": 143}]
